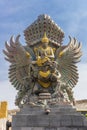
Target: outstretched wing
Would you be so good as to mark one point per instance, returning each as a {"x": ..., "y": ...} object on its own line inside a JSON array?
[
  {"x": 20, "y": 59},
  {"x": 67, "y": 57}
]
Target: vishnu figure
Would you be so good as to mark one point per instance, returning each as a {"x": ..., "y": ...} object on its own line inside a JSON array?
[
  {"x": 44, "y": 52},
  {"x": 45, "y": 68}
]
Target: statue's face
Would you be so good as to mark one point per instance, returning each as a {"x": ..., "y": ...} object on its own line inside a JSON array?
[{"x": 45, "y": 45}]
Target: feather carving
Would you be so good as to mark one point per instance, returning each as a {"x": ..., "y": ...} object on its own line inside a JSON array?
[{"x": 67, "y": 57}]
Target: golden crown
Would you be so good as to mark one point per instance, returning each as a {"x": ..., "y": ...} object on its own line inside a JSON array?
[{"x": 45, "y": 38}]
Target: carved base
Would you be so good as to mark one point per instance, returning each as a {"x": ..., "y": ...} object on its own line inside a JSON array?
[{"x": 61, "y": 117}]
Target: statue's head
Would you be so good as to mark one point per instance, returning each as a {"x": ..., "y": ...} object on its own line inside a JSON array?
[{"x": 45, "y": 40}]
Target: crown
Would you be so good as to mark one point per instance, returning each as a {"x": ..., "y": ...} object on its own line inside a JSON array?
[{"x": 45, "y": 38}]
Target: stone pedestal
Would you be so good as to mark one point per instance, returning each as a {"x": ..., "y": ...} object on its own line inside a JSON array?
[{"x": 61, "y": 117}]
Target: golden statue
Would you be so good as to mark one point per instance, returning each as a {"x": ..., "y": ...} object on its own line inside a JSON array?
[{"x": 44, "y": 52}]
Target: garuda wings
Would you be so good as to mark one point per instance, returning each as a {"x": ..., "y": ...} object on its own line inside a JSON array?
[
  {"x": 67, "y": 57},
  {"x": 20, "y": 57}
]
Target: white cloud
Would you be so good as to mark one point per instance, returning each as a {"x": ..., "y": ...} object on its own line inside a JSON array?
[
  {"x": 7, "y": 93},
  {"x": 80, "y": 91},
  {"x": 8, "y": 8},
  {"x": 11, "y": 26}
]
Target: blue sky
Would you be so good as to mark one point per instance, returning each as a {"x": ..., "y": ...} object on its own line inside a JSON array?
[{"x": 15, "y": 16}]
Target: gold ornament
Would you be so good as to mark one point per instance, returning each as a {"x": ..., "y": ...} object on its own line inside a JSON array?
[
  {"x": 27, "y": 55},
  {"x": 45, "y": 38}
]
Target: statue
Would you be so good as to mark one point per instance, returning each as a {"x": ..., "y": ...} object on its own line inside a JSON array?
[{"x": 44, "y": 71}]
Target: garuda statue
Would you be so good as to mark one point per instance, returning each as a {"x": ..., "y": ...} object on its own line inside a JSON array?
[{"x": 43, "y": 67}]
